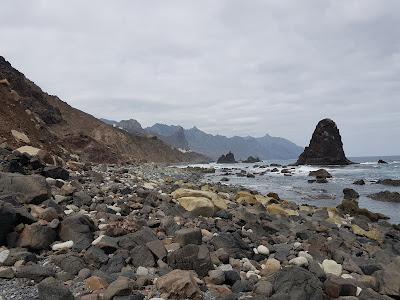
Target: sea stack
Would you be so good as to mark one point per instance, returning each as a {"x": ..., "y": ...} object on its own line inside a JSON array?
[
  {"x": 229, "y": 158},
  {"x": 326, "y": 147}
]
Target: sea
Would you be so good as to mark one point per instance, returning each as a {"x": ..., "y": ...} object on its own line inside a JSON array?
[{"x": 296, "y": 187}]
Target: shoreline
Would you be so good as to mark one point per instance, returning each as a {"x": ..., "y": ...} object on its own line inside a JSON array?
[{"x": 147, "y": 226}]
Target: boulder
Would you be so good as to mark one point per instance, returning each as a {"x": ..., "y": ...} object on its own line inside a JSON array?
[
  {"x": 55, "y": 172},
  {"x": 392, "y": 182},
  {"x": 179, "y": 284},
  {"x": 389, "y": 279},
  {"x": 191, "y": 257},
  {"x": 29, "y": 189},
  {"x": 42, "y": 155},
  {"x": 20, "y": 136},
  {"x": 120, "y": 287},
  {"x": 142, "y": 256},
  {"x": 188, "y": 236},
  {"x": 79, "y": 229},
  {"x": 277, "y": 209},
  {"x": 326, "y": 147},
  {"x": 295, "y": 283},
  {"x": 350, "y": 194},
  {"x": 322, "y": 173},
  {"x": 331, "y": 267},
  {"x": 228, "y": 158},
  {"x": 336, "y": 286},
  {"x": 34, "y": 272},
  {"x": 204, "y": 203},
  {"x": 252, "y": 160},
  {"x": 350, "y": 206},
  {"x": 37, "y": 237},
  {"x": 53, "y": 289},
  {"x": 359, "y": 182},
  {"x": 386, "y": 196},
  {"x": 7, "y": 220},
  {"x": 381, "y": 161}
]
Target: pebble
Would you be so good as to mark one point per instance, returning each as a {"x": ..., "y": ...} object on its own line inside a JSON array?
[
  {"x": 299, "y": 261},
  {"x": 263, "y": 250},
  {"x": 61, "y": 246}
]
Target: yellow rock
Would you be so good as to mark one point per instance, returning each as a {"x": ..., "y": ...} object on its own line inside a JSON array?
[
  {"x": 276, "y": 209},
  {"x": 198, "y": 205},
  {"x": 32, "y": 151},
  {"x": 20, "y": 136},
  {"x": 249, "y": 198},
  {"x": 372, "y": 234},
  {"x": 218, "y": 202},
  {"x": 334, "y": 217}
]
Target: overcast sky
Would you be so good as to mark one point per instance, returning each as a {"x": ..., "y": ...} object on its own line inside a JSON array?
[{"x": 229, "y": 67}]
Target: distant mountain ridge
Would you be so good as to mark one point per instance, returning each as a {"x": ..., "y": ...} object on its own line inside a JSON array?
[{"x": 194, "y": 139}]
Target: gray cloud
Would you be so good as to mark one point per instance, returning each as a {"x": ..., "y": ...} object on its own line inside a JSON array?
[{"x": 229, "y": 67}]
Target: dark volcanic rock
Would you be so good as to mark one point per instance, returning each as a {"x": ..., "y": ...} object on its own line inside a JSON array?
[
  {"x": 34, "y": 272},
  {"x": 386, "y": 196},
  {"x": 297, "y": 283},
  {"x": 7, "y": 220},
  {"x": 326, "y": 147},
  {"x": 53, "y": 289},
  {"x": 78, "y": 228},
  {"x": 381, "y": 161},
  {"x": 229, "y": 158},
  {"x": 252, "y": 160},
  {"x": 191, "y": 257},
  {"x": 55, "y": 172},
  {"x": 350, "y": 206},
  {"x": 320, "y": 173},
  {"x": 37, "y": 237},
  {"x": 27, "y": 188},
  {"x": 392, "y": 182},
  {"x": 359, "y": 182},
  {"x": 350, "y": 194}
]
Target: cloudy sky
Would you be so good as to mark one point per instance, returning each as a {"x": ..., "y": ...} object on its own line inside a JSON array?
[{"x": 230, "y": 67}]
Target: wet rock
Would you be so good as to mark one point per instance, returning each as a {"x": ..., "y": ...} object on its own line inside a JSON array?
[
  {"x": 381, "y": 161},
  {"x": 34, "y": 272},
  {"x": 297, "y": 283},
  {"x": 27, "y": 188},
  {"x": 386, "y": 196},
  {"x": 320, "y": 173},
  {"x": 228, "y": 158},
  {"x": 350, "y": 194},
  {"x": 326, "y": 147},
  {"x": 37, "y": 237},
  {"x": 392, "y": 182},
  {"x": 191, "y": 257},
  {"x": 188, "y": 236},
  {"x": 359, "y": 182},
  {"x": 79, "y": 229},
  {"x": 179, "y": 284},
  {"x": 350, "y": 206},
  {"x": 53, "y": 289}
]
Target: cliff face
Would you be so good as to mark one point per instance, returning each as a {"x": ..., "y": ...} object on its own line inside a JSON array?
[
  {"x": 326, "y": 147},
  {"x": 52, "y": 124}
]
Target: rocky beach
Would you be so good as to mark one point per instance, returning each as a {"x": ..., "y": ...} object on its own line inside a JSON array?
[{"x": 151, "y": 231}]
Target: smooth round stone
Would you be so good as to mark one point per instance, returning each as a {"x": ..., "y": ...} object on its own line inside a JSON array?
[
  {"x": 331, "y": 267},
  {"x": 306, "y": 255},
  {"x": 299, "y": 261},
  {"x": 61, "y": 246},
  {"x": 263, "y": 250}
]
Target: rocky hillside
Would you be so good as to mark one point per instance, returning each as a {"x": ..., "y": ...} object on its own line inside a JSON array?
[
  {"x": 29, "y": 116},
  {"x": 266, "y": 147}
]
